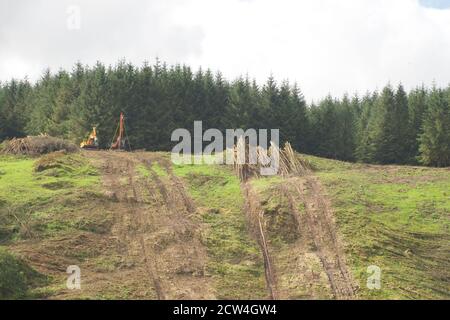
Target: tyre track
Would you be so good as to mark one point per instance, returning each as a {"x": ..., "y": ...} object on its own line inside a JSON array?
[
  {"x": 255, "y": 216},
  {"x": 154, "y": 229},
  {"x": 316, "y": 226},
  {"x": 183, "y": 248},
  {"x": 130, "y": 222},
  {"x": 321, "y": 225},
  {"x": 149, "y": 259}
]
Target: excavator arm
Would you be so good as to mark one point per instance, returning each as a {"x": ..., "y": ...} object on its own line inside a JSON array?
[{"x": 119, "y": 143}]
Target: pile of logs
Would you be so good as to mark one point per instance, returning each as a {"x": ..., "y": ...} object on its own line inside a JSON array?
[{"x": 289, "y": 163}]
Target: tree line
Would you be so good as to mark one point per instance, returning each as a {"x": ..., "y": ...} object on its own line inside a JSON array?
[{"x": 387, "y": 127}]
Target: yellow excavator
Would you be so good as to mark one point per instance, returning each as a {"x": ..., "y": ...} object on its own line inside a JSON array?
[
  {"x": 91, "y": 142},
  {"x": 120, "y": 140}
]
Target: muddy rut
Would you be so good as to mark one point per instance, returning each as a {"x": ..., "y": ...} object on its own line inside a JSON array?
[
  {"x": 157, "y": 232},
  {"x": 321, "y": 224},
  {"x": 255, "y": 216},
  {"x": 313, "y": 264},
  {"x": 154, "y": 228}
]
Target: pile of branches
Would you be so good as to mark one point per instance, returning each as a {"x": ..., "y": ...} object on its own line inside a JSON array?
[
  {"x": 37, "y": 145},
  {"x": 289, "y": 163},
  {"x": 292, "y": 163}
]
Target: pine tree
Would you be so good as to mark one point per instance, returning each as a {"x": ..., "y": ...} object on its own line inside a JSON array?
[
  {"x": 365, "y": 124},
  {"x": 435, "y": 139},
  {"x": 2, "y": 113},
  {"x": 299, "y": 120},
  {"x": 346, "y": 130},
  {"x": 391, "y": 133},
  {"x": 14, "y": 109},
  {"x": 158, "y": 98},
  {"x": 269, "y": 103},
  {"x": 417, "y": 107},
  {"x": 325, "y": 131}
]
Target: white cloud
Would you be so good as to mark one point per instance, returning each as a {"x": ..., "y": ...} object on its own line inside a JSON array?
[{"x": 327, "y": 46}]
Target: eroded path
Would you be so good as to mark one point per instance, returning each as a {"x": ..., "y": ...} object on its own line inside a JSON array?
[
  {"x": 255, "y": 216},
  {"x": 294, "y": 224},
  {"x": 321, "y": 227},
  {"x": 153, "y": 226}
]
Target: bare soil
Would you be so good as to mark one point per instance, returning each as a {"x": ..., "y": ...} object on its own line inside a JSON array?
[
  {"x": 321, "y": 227},
  {"x": 154, "y": 227},
  {"x": 312, "y": 265},
  {"x": 151, "y": 249},
  {"x": 255, "y": 216}
]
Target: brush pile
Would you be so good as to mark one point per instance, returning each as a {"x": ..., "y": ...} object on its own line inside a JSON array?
[
  {"x": 37, "y": 145},
  {"x": 249, "y": 165},
  {"x": 291, "y": 163}
]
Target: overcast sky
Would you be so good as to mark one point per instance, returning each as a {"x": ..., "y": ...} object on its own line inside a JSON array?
[{"x": 326, "y": 46}]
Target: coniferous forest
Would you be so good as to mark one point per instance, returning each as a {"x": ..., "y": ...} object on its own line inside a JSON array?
[{"x": 391, "y": 126}]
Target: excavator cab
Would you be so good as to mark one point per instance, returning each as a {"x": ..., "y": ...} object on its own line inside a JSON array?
[{"x": 92, "y": 141}]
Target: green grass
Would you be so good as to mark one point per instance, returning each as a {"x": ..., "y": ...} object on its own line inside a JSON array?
[
  {"x": 156, "y": 167},
  {"x": 35, "y": 194},
  {"x": 322, "y": 164},
  {"x": 264, "y": 183},
  {"x": 160, "y": 171},
  {"x": 236, "y": 262},
  {"x": 396, "y": 218},
  {"x": 20, "y": 184},
  {"x": 17, "y": 279},
  {"x": 48, "y": 198},
  {"x": 143, "y": 171}
]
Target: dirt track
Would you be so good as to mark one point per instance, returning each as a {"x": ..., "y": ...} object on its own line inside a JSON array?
[
  {"x": 153, "y": 227},
  {"x": 157, "y": 232},
  {"x": 317, "y": 251},
  {"x": 321, "y": 228},
  {"x": 255, "y": 218}
]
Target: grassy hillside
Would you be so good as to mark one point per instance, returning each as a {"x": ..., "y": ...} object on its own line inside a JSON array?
[
  {"x": 49, "y": 209},
  {"x": 397, "y": 218},
  {"x": 55, "y": 212},
  {"x": 236, "y": 263}
]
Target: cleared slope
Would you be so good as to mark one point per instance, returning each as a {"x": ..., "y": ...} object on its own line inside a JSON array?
[
  {"x": 396, "y": 218},
  {"x": 141, "y": 228}
]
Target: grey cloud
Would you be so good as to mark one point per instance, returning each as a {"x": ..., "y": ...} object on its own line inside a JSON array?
[{"x": 36, "y": 32}]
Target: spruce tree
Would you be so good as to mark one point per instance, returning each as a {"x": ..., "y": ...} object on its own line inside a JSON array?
[
  {"x": 365, "y": 129},
  {"x": 325, "y": 129},
  {"x": 391, "y": 132},
  {"x": 417, "y": 100},
  {"x": 435, "y": 138},
  {"x": 299, "y": 120},
  {"x": 346, "y": 130},
  {"x": 158, "y": 98}
]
